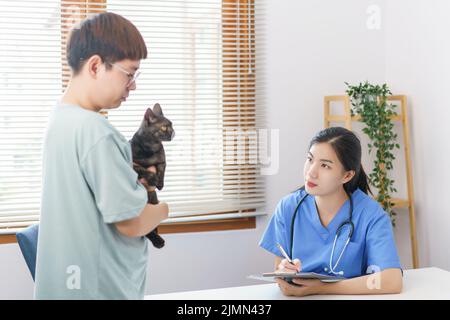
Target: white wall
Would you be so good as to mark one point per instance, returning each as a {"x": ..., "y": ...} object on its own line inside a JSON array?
[
  {"x": 311, "y": 48},
  {"x": 418, "y": 65},
  {"x": 15, "y": 279}
]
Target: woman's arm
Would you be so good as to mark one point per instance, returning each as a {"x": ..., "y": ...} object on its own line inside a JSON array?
[
  {"x": 384, "y": 282},
  {"x": 388, "y": 281}
]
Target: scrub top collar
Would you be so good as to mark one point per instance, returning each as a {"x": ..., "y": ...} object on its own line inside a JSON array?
[{"x": 341, "y": 216}]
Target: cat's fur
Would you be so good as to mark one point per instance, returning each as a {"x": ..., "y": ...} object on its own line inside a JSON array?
[{"x": 148, "y": 151}]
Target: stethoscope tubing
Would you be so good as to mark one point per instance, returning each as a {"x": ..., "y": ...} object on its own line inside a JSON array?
[{"x": 338, "y": 231}]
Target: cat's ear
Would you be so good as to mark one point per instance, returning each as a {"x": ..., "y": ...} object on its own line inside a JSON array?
[
  {"x": 149, "y": 116},
  {"x": 157, "y": 109}
]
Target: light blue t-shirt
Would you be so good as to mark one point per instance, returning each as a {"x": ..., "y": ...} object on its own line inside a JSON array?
[
  {"x": 88, "y": 185},
  {"x": 371, "y": 248}
]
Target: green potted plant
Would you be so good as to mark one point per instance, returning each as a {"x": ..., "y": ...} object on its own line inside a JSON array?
[{"x": 370, "y": 102}]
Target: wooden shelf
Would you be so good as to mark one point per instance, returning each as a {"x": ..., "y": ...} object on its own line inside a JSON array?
[
  {"x": 347, "y": 119},
  {"x": 400, "y": 203},
  {"x": 343, "y": 118}
]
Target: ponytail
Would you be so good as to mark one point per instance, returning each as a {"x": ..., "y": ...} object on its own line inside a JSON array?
[{"x": 359, "y": 181}]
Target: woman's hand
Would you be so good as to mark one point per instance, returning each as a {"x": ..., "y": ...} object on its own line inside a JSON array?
[
  {"x": 301, "y": 287},
  {"x": 286, "y": 266}
]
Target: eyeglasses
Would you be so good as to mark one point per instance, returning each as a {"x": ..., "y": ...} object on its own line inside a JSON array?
[{"x": 131, "y": 77}]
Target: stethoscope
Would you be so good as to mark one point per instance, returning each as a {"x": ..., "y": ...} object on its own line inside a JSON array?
[{"x": 338, "y": 232}]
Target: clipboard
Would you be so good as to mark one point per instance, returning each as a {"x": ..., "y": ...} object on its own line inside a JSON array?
[{"x": 288, "y": 276}]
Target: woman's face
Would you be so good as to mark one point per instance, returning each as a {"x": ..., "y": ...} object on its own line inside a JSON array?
[{"x": 324, "y": 173}]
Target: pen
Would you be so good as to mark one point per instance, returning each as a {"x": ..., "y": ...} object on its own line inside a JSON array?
[{"x": 284, "y": 254}]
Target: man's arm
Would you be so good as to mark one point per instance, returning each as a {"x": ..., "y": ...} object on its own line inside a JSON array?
[{"x": 149, "y": 219}]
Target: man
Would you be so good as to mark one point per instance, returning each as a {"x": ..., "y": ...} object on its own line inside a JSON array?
[{"x": 94, "y": 211}]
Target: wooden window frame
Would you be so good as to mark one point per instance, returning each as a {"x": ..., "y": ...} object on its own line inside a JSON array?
[{"x": 234, "y": 46}]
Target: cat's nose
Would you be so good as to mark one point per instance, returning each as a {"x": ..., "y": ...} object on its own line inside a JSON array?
[{"x": 173, "y": 135}]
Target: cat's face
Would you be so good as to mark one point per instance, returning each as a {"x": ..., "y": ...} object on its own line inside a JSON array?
[{"x": 156, "y": 126}]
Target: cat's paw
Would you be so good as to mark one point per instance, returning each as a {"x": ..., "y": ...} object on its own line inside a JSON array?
[
  {"x": 156, "y": 239},
  {"x": 160, "y": 185},
  {"x": 145, "y": 184}
]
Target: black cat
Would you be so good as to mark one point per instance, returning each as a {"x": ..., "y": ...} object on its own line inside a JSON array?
[{"x": 148, "y": 151}]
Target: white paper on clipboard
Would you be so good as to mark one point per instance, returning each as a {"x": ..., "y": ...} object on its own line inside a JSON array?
[{"x": 271, "y": 276}]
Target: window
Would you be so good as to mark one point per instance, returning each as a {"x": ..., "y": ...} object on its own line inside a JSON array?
[{"x": 201, "y": 69}]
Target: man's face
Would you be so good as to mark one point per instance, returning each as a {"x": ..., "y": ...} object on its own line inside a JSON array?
[{"x": 114, "y": 83}]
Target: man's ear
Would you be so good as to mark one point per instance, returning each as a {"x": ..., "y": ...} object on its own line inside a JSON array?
[
  {"x": 93, "y": 65},
  {"x": 348, "y": 176}
]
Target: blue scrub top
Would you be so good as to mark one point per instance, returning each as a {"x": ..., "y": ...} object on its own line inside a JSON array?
[{"x": 371, "y": 248}]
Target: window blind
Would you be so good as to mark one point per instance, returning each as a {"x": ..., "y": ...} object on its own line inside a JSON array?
[
  {"x": 30, "y": 82},
  {"x": 201, "y": 68}
]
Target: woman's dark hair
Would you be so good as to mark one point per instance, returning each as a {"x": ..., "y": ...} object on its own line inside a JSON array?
[
  {"x": 107, "y": 34},
  {"x": 348, "y": 150}
]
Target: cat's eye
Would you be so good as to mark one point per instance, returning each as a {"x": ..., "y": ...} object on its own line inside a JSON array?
[{"x": 163, "y": 128}]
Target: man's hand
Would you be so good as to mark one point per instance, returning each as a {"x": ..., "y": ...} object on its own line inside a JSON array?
[{"x": 144, "y": 182}]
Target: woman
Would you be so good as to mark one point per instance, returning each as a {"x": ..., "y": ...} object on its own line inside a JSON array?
[{"x": 337, "y": 219}]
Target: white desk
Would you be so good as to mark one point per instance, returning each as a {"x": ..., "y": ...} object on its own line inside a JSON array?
[{"x": 427, "y": 283}]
